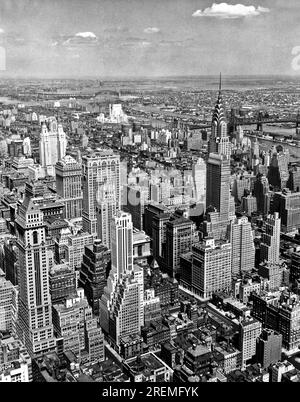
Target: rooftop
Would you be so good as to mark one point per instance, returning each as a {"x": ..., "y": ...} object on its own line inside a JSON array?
[{"x": 148, "y": 362}]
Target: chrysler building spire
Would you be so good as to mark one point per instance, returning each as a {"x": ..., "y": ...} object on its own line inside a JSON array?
[{"x": 219, "y": 141}]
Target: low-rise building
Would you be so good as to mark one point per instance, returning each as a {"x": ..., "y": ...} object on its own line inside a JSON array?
[{"x": 147, "y": 368}]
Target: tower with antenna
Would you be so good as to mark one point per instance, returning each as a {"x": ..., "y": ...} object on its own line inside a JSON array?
[{"x": 219, "y": 142}]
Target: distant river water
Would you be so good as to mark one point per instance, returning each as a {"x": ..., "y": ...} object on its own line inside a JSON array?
[
  {"x": 284, "y": 132},
  {"x": 294, "y": 151}
]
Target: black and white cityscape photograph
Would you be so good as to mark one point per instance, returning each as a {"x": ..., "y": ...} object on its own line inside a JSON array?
[{"x": 149, "y": 194}]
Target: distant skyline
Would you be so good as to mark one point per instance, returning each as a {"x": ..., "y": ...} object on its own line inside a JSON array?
[{"x": 148, "y": 38}]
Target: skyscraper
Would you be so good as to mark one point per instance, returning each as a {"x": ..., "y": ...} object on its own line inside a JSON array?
[
  {"x": 211, "y": 267},
  {"x": 121, "y": 306},
  {"x": 122, "y": 243},
  {"x": 249, "y": 204},
  {"x": 219, "y": 202},
  {"x": 127, "y": 307},
  {"x": 52, "y": 146},
  {"x": 98, "y": 168},
  {"x": 242, "y": 185},
  {"x": 121, "y": 262},
  {"x": 105, "y": 210},
  {"x": 249, "y": 331},
  {"x": 217, "y": 187},
  {"x": 219, "y": 141},
  {"x": 295, "y": 267},
  {"x": 287, "y": 204},
  {"x": 8, "y": 305},
  {"x": 242, "y": 244},
  {"x": 294, "y": 180},
  {"x": 278, "y": 173},
  {"x": 137, "y": 198},
  {"x": 10, "y": 260},
  {"x": 159, "y": 220},
  {"x": 35, "y": 315},
  {"x": 261, "y": 188},
  {"x": 68, "y": 186},
  {"x": 94, "y": 267},
  {"x": 116, "y": 114},
  {"x": 270, "y": 244},
  {"x": 199, "y": 179},
  {"x": 180, "y": 236}
]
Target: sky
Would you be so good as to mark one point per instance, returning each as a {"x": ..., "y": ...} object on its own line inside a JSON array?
[{"x": 148, "y": 38}]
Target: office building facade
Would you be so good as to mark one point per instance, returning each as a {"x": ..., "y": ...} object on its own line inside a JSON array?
[
  {"x": 69, "y": 187},
  {"x": 97, "y": 169}
]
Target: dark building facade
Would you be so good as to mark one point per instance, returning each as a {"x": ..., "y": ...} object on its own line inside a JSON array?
[
  {"x": 294, "y": 180},
  {"x": 268, "y": 348},
  {"x": 62, "y": 283},
  {"x": 93, "y": 272},
  {"x": 164, "y": 287},
  {"x": 295, "y": 267},
  {"x": 287, "y": 204}
]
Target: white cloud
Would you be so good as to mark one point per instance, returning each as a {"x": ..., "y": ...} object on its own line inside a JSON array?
[
  {"x": 1, "y": 31},
  {"x": 82, "y": 39},
  {"x": 151, "y": 30},
  {"x": 86, "y": 35},
  {"x": 230, "y": 11}
]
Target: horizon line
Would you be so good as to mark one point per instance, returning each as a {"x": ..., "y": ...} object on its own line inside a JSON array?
[{"x": 136, "y": 78}]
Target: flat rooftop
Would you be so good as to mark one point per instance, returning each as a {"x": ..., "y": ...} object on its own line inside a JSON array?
[{"x": 146, "y": 362}]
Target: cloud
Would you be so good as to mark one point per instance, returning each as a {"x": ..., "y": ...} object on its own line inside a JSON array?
[
  {"x": 230, "y": 11},
  {"x": 79, "y": 39},
  {"x": 86, "y": 35},
  {"x": 151, "y": 30},
  {"x": 1, "y": 31}
]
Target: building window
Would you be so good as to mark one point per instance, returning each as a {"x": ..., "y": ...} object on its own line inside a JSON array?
[{"x": 35, "y": 237}]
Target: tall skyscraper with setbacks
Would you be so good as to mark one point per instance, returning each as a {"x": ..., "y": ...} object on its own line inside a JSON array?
[
  {"x": 94, "y": 268},
  {"x": 35, "y": 310},
  {"x": 97, "y": 169},
  {"x": 180, "y": 236},
  {"x": 219, "y": 202},
  {"x": 242, "y": 244},
  {"x": 121, "y": 306},
  {"x": 270, "y": 244},
  {"x": 52, "y": 146},
  {"x": 68, "y": 186},
  {"x": 105, "y": 211},
  {"x": 199, "y": 181},
  {"x": 122, "y": 243},
  {"x": 219, "y": 141}
]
